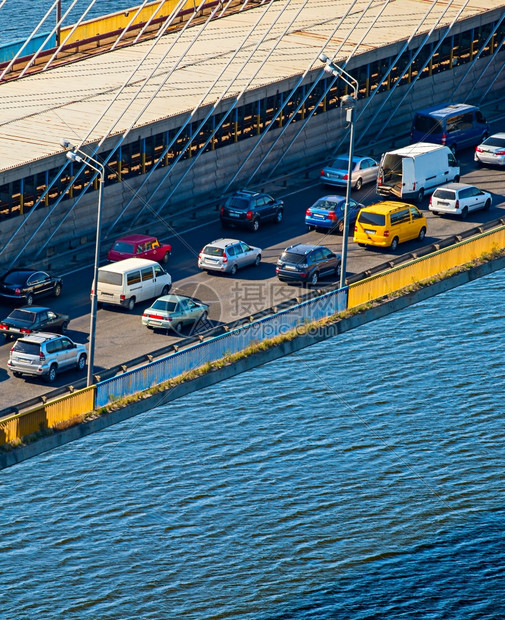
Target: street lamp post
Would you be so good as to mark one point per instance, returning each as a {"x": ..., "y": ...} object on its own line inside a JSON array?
[
  {"x": 84, "y": 158},
  {"x": 347, "y": 102}
]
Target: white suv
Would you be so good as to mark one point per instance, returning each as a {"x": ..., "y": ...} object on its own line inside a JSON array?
[
  {"x": 228, "y": 255},
  {"x": 459, "y": 199},
  {"x": 44, "y": 355}
]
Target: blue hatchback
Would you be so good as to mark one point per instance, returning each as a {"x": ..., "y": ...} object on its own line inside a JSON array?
[{"x": 328, "y": 213}]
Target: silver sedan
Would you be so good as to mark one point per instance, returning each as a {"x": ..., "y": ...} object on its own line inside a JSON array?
[{"x": 364, "y": 171}]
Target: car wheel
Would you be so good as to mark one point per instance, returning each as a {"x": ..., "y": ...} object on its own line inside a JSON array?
[
  {"x": 340, "y": 227},
  {"x": 487, "y": 206},
  {"x": 131, "y": 303},
  {"x": 338, "y": 270},
  {"x": 435, "y": 212},
  {"x": 279, "y": 216},
  {"x": 166, "y": 257},
  {"x": 51, "y": 375},
  {"x": 422, "y": 234},
  {"x": 164, "y": 290},
  {"x": 359, "y": 184},
  {"x": 178, "y": 327},
  {"x": 394, "y": 244},
  {"x": 224, "y": 224},
  {"x": 456, "y": 179},
  {"x": 314, "y": 278},
  {"x": 257, "y": 261},
  {"x": 310, "y": 228},
  {"x": 454, "y": 148},
  {"x": 233, "y": 269},
  {"x": 204, "y": 316},
  {"x": 57, "y": 290},
  {"x": 362, "y": 245},
  {"x": 64, "y": 327},
  {"x": 255, "y": 226},
  {"x": 16, "y": 374},
  {"x": 464, "y": 213},
  {"x": 420, "y": 195},
  {"x": 81, "y": 362},
  {"x": 29, "y": 299}
]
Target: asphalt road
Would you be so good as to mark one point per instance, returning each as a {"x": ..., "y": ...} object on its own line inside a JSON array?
[{"x": 120, "y": 335}]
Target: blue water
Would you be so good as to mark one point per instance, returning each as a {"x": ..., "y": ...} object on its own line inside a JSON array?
[
  {"x": 18, "y": 18},
  {"x": 359, "y": 478}
]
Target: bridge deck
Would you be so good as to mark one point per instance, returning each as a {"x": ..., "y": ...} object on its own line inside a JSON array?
[{"x": 37, "y": 111}]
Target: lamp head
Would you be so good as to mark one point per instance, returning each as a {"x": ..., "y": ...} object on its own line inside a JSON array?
[
  {"x": 347, "y": 101},
  {"x": 323, "y": 58},
  {"x": 74, "y": 157},
  {"x": 66, "y": 144}
]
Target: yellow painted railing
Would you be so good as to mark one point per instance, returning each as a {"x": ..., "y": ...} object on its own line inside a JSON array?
[
  {"x": 424, "y": 268},
  {"x": 47, "y": 416},
  {"x": 119, "y": 20},
  {"x": 65, "y": 408}
]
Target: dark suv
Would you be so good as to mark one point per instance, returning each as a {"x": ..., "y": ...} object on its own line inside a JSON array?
[
  {"x": 250, "y": 209},
  {"x": 307, "y": 263}
]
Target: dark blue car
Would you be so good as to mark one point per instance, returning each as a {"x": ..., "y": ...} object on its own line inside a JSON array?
[
  {"x": 456, "y": 125},
  {"x": 328, "y": 213}
]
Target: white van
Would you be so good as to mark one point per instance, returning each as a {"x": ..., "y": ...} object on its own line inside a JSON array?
[
  {"x": 416, "y": 170},
  {"x": 131, "y": 280}
]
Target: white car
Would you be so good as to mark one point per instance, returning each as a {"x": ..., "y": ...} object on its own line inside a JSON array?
[
  {"x": 364, "y": 170},
  {"x": 459, "y": 199},
  {"x": 492, "y": 151},
  {"x": 228, "y": 255}
]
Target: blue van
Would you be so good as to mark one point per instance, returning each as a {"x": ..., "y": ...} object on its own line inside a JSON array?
[{"x": 456, "y": 125}]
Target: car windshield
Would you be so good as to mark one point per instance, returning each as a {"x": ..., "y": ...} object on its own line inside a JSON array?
[
  {"x": 237, "y": 203},
  {"x": 122, "y": 246},
  {"x": 213, "y": 250},
  {"x": 110, "y": 277},
  {"x": 292, "y": 257},
  {"x": 493, "y": 141},
  {"x": 16, "y": 277},
  {"x": 167, "y": 306},
  {"x": 427, "y": 124},
  {"x": 23, "y": 315},
  {"x": 328, "y": 205},
  {"x": 342, "y": 163},
  {"x": 29, "y": 348},
  {"x": 369, "y": 217},
  {"x": 445, "y": 194}
]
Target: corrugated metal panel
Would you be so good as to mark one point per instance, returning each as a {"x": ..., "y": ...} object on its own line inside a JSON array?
[{"x": 65, "y": 102}]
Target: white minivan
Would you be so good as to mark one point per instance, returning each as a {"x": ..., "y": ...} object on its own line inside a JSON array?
[
  {"x": 129, "y": 281},
  {"x": 416, "y": 170}
]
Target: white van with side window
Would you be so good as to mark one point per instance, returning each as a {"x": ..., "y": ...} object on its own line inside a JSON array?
[
  {"x": 414, "y": 171},
  {"x": 129, "y": 281}
]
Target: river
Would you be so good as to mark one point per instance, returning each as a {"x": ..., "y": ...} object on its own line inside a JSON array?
[{"x": 359, "y": 478}]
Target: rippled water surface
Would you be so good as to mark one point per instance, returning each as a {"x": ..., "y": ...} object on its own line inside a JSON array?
[{"x": 359, "y": 478}]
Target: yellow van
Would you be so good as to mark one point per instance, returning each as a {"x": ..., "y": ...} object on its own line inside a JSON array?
[{"x": 388, "y": 223}]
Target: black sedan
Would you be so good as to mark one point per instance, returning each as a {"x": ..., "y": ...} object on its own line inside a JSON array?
[
  {"x": 28, "y": 319},
  {"x": 23, "y": 285}
]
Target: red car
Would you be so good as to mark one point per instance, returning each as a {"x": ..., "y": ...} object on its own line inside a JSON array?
[{"x": 139, "y": 246}]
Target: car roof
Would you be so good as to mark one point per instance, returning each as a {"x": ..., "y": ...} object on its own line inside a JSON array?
[
  {"x": 455, "y": 186},
  {"x": 121, "y": 266},
  {"x": 41, "y": 337},
  {"x": 136, "y": 238},
  {"x": 500, "y": 134},
  {"x": 33, "y": 308},
  {"x": 355, "y": 158},
  {"x": 303, "y": 248},
  {"x": 246, "y": 192},
  {"x": 25, "y": 272},
  {"x": 446, "y": 109},
  {"x": 386, "y": 206},
  {"x": 223, "y": 243},
  {"x": 172, "y": 297},
  {"x": 332, "y": 198}
]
